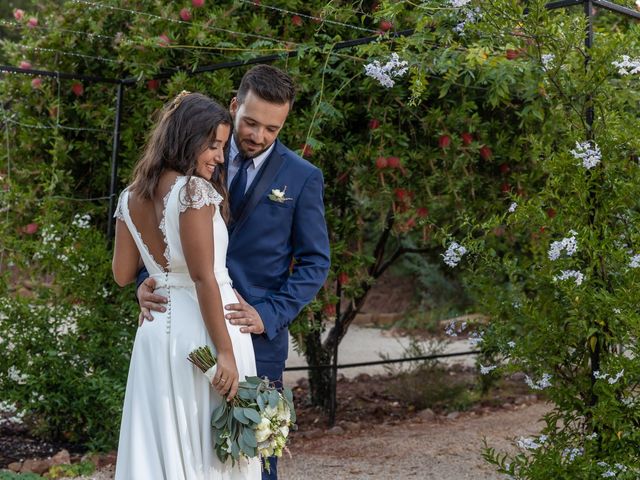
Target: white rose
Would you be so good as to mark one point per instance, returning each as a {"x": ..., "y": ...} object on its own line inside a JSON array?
[{"x": 263, "y": 430}]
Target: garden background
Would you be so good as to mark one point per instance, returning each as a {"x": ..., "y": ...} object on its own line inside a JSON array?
[{"x": 497, "y": 167}]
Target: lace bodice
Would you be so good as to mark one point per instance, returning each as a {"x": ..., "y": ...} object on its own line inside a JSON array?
[{"x": 196, "y": 193}]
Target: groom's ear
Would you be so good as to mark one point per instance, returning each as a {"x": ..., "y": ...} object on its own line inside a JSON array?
[{"x": 233, "y": 106}]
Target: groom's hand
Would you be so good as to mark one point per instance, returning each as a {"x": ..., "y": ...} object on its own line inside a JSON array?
[
  {"x": 244, "y": 314},
  {"x": 149, "y": 301}
]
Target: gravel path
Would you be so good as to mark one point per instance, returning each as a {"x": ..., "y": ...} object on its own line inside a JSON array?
[
  {"x": 412, "y": 449},
  {"x": 439, "y": 450}
]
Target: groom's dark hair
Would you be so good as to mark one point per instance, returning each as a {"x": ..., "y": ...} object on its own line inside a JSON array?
[{"x": 269, "y": 83}]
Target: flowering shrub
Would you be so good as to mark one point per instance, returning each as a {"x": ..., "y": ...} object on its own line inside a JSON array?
[
  {"x": 562, "y": 305},
  {"x": 65, "y": 339}
]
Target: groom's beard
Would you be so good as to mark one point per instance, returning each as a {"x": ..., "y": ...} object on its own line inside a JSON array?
[{"x": 253, "y": 154}]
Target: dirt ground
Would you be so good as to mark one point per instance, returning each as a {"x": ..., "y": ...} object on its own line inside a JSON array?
[{"x": 413, "y": 449}]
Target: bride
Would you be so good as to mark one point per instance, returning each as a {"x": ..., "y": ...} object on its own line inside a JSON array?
[{"x": 171, "y": 219}]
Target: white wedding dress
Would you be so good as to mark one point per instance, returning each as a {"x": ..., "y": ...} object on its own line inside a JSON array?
[{"x": 166, "y": 429}]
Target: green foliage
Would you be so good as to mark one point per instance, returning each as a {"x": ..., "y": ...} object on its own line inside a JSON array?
[
  {"x": 71, "y": 470},
  {"x": 6, "y": 475},
  {"x": 569, "y": 322}
]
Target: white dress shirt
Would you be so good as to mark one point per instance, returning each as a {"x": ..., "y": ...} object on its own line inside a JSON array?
[{"x": 252, "y": 170}]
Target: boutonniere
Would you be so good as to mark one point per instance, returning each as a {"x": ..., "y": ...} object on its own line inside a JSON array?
[{"x": 278, "y": 195}]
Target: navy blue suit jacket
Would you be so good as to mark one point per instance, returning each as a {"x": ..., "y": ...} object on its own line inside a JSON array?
[
  {"x": 265, "y": 238},
  {"x": 263, "y": 241}
]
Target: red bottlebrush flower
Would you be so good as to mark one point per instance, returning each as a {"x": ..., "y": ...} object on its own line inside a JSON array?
[
  {"x": 307, "y": 150},
  {"x": 164, "y": 40},
  {"x": 30, "y": 229},
  {"x": 505, "y": 187},
  {"x": 444, "y": 141},
  {"x": 36, "y": 82},
  {"x": 400, "y": 193},
  {"x": 386, "y": 25},
  {"x": 343, "y": 278},
  {"x": 393, "y": 162},
  {"x": 197, "y": 3},
  {"x": 374, "y": 123},
  {"x": 32, "y": 22},
  {"x": 504, "y": 168},
  {"x": 153, "y": 84},
  {"x": 551, "y": 212},
  {"x": 422, "y": 212},
  {"x": 25, "y": 64},
  {"x": 512, "y": 54},
  {"x": 410, "y": 223},
  {"x": 485, "y": 153},
  {"x": 296, "y": 20},
  {"x": 77, "y": 89},
  {"x": 381, "y": 162},
  {"x": 467, "y": 138},
  {"x": 185, "y": 15},
  {"x": 18, "y": 14},
  {"x": 329, "y": 310}
]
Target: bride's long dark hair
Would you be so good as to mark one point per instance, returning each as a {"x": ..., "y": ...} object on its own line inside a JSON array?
[{"x": 185, "y": 127}]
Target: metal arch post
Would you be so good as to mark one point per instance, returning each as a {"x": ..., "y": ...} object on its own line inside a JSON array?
[{"x": 114, "y": 160}]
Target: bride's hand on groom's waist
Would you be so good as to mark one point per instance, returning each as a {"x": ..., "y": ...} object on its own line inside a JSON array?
[{"x": 244, "y": 314}]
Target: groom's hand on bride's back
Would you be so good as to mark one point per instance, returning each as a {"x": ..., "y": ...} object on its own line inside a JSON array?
[{"x": 149, "y": 301}]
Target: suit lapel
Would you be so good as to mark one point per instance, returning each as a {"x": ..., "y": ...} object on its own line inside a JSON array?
[{"x": 258, "y": 187}]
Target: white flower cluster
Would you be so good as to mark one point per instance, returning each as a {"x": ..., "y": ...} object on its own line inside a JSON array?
[
  {"x": 81, "y": 221},
  {"x": 547, "y": 59},
  {"x": 589, "y": 155},
  {"x": 566, "y": 274},
  {"x": 452, "y": 331},
  {"x": 512, "y": 207},
  {"x": 14, "y": 417},
  {"x": 531, "y": 443},
  {"x": 605, "y": 376},
  {"x": 511, "y": 344},
  {"x": 571, "y": 453},
  {"x": 16, "y": 375},
  {"x": 627, "y": 66},
  {"x": 454, "y": 254},
  {"x": 488, "y": 369},
  {"x": 50, "y": 236},
  {"x": 569, "y": 244},
  {"x": 543, "y": 383},
  {"x": 629, "y": 402},
  {"x": 475, "y": 339},
  {"x": 459, "y": 3},
  {"x": 610, "y": 472},
  {"x": 471, "y": 15},
  {"x": 634, "y": 262},
  {"x": 384, "y": 73},
  {"x": 273, "y": 430}
]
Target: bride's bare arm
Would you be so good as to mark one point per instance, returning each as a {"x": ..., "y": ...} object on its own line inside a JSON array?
[
  {"x": 126, "y": 258},
  {"x": 196, "y": 235}
]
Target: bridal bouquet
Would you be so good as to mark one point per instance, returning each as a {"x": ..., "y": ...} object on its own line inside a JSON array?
[{"x": 257, "y": 420}]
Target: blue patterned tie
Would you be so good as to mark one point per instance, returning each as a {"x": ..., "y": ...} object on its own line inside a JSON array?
[{"x": 238, "y": 185}]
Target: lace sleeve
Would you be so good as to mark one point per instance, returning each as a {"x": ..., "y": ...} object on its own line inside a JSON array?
[
  {"x": 198, "y": 193},
  {"x": 119, "y": 214}
]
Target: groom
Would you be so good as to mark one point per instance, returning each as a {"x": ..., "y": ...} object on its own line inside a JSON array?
[{"x": 278, "y": 254}]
